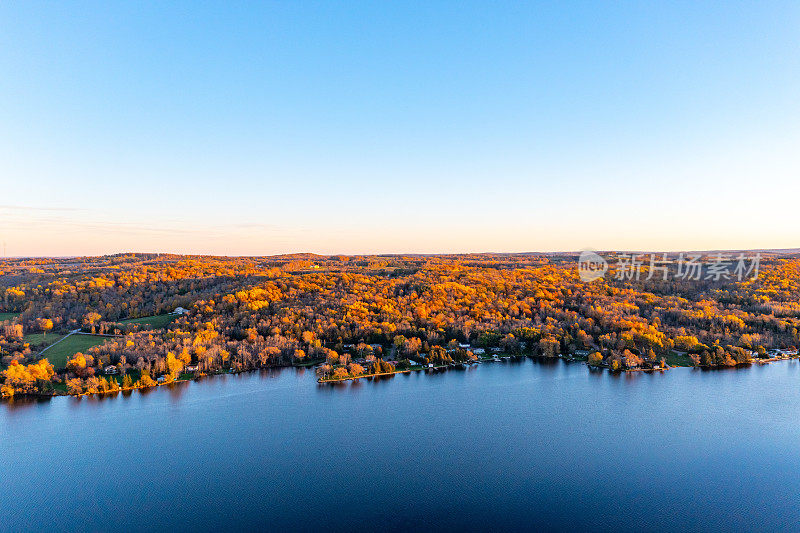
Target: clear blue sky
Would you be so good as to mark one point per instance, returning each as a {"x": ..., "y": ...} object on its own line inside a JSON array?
[{"x": 345, "y": 127}]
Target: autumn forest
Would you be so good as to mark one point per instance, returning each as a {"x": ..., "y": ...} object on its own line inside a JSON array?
[{"x": 98, "y": 325}]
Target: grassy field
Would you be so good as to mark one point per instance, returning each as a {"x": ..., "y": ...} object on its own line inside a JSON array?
[
  {"x": 678, "y": 359},
  {"x": 59, "y": 354},
  {"x": 41, "y": 340},
  {"x": 7, "y": 316},
  {"x": 156, "y": 322},
  {"x": 312, "y": 362}
]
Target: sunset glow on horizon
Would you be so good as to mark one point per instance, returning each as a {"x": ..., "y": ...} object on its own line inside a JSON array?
[{"x": 368, "y": 128}]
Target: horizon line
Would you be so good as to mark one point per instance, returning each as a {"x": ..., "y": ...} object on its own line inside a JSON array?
[{"x": 418, "y": 254}]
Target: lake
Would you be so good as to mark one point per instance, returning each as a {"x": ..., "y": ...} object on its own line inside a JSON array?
[{"x": 505, "y": 445}]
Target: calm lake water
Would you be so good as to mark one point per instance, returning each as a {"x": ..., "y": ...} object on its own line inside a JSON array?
[{"x": 510, "y": 445}]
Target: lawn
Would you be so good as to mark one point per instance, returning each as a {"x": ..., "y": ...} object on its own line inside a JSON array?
[
  {"x": 8, "y": 316},
  {"x": 312, "y": 362},
  {"x": 678, "y": 359},
  {"x": 59, "y": 354},
  {"x": 40, "y": 340},
  {"x": 155, "y": 322}
]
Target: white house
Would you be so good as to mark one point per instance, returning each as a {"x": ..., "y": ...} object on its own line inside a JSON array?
[{"x": 179, "y": 311}]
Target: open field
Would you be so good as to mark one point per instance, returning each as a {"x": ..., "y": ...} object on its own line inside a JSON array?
[
  {"x": 58, "y": 354},
  {"x": 156, "y": 322},
  {"x": 309, "y": 363},
  {"x": 678, "y": 359},
  {"x": 7, "y": 316},
  {"x": 40, "y": 340}
]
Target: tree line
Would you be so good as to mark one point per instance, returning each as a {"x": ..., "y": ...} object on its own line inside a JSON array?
[{"x": 351, "y": 312}]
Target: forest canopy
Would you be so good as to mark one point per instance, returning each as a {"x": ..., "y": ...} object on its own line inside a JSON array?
[{"x": 246, "y": 313}]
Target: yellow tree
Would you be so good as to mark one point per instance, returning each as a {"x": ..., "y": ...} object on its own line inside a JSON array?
[
  {"x": 45, "y": 325},
  {"x": 91, "y": 319},
  {"x": 174, "y": 364}
]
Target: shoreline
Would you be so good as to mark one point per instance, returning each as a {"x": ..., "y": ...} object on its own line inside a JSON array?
[
  {"x": 322, "y": 381},
  {"x": 566, "y": 360}
]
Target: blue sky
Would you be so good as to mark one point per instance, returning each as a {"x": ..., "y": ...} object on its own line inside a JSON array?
[{"x": 375, "y": 127}]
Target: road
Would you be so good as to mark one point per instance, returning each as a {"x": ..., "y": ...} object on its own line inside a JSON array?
[{"x": 74, "y": 331}]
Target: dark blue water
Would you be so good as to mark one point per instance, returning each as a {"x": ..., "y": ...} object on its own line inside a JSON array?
[{"x": 500, "y": 446}]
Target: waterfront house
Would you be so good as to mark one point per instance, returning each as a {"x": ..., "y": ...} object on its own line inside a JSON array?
[{"x": 111, "y": 369}]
